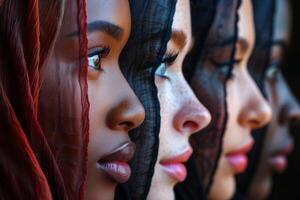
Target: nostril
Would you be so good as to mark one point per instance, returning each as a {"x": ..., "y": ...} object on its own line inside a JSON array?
[
  {"x": 256, "y": 117},
  {"x": 126, "y": 125},
  {"x": 191, "y": 120},
  {"x": 190, "y": 126}
]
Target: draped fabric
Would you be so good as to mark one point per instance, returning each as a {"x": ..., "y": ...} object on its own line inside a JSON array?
[
  {"x": 44, "y": 107},
  {"x": 144, "y": 51},
  {"x": 258, "y": 64},
  {"x": 207, "y": 68},
  {"x": 202, "y": 16}
]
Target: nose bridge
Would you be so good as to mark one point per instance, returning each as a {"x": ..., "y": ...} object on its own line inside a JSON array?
[
  {"x": 127, "y": 112},
  {"x": 256, "y": 111},
  {"x": 192, "y": 115}
]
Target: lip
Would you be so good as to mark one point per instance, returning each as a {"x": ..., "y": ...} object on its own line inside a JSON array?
[
  {"x": 174, "y": 166},
  {"x": 278, "y": 159},
  {"x": 115, "y": 164},
  {"x": 238, "y": 159}
]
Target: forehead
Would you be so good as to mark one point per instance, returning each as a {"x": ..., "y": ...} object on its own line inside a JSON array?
[
  {"x": 182, "y": 18},
  {"x": 246, "y": 22},
  {"x": 113, "y": 11}
]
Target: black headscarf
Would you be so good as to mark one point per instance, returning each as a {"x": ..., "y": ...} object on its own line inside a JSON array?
[
  {"x": 259, "y": 61},
  {"x": 151, "y": 30},
  {"x": 207, "y": 68},
  {"x": 214, "y": 26}
]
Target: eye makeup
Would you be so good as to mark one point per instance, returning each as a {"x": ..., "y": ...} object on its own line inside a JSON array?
[{"x": 95, "y": 56}]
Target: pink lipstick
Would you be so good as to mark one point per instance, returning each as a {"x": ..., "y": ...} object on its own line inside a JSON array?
[
  {"x": 278, "y": 159},
  {"x": 238, "y": 159},
  {"x": 174, "y": 166}
]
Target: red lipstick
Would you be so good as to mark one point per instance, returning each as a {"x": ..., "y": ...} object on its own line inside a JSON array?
[
  {"x": 174, "y": 166},
  {"x": 238, "y": 159},
  {"x": 115, "y": 164}
]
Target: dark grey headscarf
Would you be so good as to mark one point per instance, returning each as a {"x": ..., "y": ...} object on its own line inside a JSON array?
[
  {"x": 151, "y": 30},
  {"x": 259, "y": 62}
]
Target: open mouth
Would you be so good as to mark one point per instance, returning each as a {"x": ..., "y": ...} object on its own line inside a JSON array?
[
  {"x": 115, "y": 164},
  {"x": 174, "y": 166}
]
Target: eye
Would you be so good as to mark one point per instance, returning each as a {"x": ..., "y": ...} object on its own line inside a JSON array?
[
  {"x": 167, "y": 61},
  {"x": 225, "y": 67},
  {"x": 272, "y": 71},
  {"x": 95, "y": 56}
]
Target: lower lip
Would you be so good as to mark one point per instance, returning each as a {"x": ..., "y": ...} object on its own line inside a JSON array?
[
  {"x": 239, "y": 162},
  {"x": 118, "y": 171},
  {"x": 175, "y": 170},
  {"x": 278, "y": 163}
]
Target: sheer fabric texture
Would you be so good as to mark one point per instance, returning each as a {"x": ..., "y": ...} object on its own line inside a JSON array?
[
  {"x": 207, "y": 76},
  {"x": 151, "y": 30},
  {"x": 258, "y": 64},
  {"x": 44, "y": 107}
]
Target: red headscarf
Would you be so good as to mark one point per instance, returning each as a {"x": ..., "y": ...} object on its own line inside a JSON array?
[{"x": 38, "y": 161}]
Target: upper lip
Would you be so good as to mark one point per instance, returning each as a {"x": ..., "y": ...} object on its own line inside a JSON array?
[
  {"x": 123, "y": 153},
  {"x": 244, "y": 150},
  {"x": 180, "y": 158}
]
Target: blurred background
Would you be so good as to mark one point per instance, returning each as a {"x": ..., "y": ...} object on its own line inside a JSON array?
[{"x": 287, "y": 185}]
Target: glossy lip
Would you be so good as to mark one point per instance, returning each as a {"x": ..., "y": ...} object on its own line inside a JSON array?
[
  {"x": 174, "y": 166},
  {"x": 278, "y": 159},
  {"x": 115, "y": 164},
  {"x": 238, "y": 158}
]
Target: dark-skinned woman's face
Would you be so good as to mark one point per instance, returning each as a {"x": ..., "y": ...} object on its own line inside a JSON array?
[
  {"x": 278, "y": 142},
  {"x": 114, "y": 108}
]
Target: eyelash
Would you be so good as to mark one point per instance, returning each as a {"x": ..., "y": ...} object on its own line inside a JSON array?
[
  {"x": 94, "y": 58},
  {"x": 230, "y": 75},
  {"x": 167, "y": 60}
]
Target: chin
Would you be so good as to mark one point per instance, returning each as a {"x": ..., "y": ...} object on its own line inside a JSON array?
[
  {"x": 260, "y": 189},
  {"x": 100, "y": 191},
  {"x": 161, "y": 186},
  {"x": 161, "y": 191},
  {"x": 222, "y": 188}
]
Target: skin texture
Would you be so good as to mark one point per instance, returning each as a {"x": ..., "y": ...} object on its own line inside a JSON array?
[
  {"x": 285, "y": 109},
  {"x": 181, "y": 113},
  {"x": 112, "y": 114},
  {"x": 247, "y": 109}
]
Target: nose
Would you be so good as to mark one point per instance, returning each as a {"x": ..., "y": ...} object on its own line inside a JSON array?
[
  {"x": 127, "y": 113},
  {"x": 256, "y": 111},
  {"x": 191, "y": 117}
]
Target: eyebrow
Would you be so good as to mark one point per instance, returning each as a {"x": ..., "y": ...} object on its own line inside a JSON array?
[
  {"x": 217, "y": 43},
  {"x": 179, "y": 38},
  {"x": 103, "y": 26}
]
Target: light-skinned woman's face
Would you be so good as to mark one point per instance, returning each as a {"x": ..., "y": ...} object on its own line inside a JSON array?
[
  {"x": 278, "y": 142},
  {"x": 112, "y": 114},
  {"x": 181, "y": 112},
  {"x": 247, "y": 110}
]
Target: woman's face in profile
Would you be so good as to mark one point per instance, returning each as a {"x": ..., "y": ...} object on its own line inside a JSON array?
[
  {"x": 247, "y": 110},
  {"x": 111, "y": 114},
  {"x": 278, "y": 142},
  {"x": 181, "y": 112}
]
